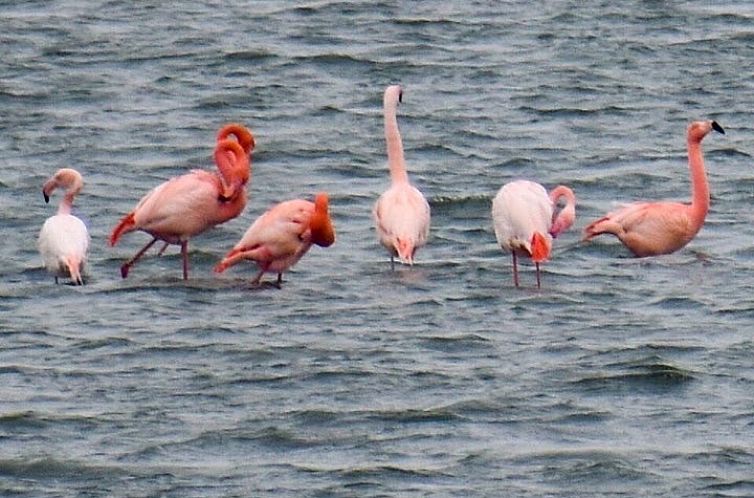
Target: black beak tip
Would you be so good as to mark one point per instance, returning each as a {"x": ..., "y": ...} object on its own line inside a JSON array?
[
  {"x": 47, "y": 197},
  {"x": 717, "y": 127},
  {"x": 400, "y": 96}
]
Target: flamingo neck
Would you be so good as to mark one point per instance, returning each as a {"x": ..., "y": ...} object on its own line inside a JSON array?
[
  {"x": 700, "y": 198},
  {"x": 394, "y": 146},
  {"x": 566, "y": 216},
  {"x": 234, "y": 167},
  {"x": 66, "y": 205}
]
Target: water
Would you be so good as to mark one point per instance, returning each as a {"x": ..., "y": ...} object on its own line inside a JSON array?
[{"x": 621, "y": 377}]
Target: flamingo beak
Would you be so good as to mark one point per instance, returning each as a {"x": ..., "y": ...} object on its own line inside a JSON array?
[
  {"x": 47, "y": 197},
  {"x": 717, "y": 127}
]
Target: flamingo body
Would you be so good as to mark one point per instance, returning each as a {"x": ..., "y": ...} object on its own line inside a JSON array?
[
  {"x": 401, "y": 214},
  {"x": 64, "y": 239},
  {"x": 282, "y": 235},
  {"x": 655, "y": 228},
  {"x": 187, "y": 205},
  {"x": 525, "y": 221}
]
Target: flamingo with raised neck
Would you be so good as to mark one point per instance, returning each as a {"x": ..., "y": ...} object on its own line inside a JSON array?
[
  {"x": 654, "y": 228},
  {"x": 401, "y": 214}
]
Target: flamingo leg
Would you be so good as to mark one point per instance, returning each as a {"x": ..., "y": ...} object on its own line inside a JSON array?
[
  {"x": 536, "y": 265},
  {"x": 184, "y": 256},
  {"x": 280, "y": 281},
  {"x": 258, "y": 278},
  {"x": 392, "y": 263},
  {"x": 515, "y": 269},
  {"x": 128, "y": 264},
  {"x": 159, "y": 253}
]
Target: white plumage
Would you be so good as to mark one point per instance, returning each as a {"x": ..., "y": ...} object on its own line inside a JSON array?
[{"x": 64, "y": 240}]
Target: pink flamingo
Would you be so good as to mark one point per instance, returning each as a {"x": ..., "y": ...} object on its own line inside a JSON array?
[
  {"x": 654, "y": 228},
  {"x": 64, "y": 240},
  {"x": 401, "y": 213},
  {"x": 525, "y": 221},
  {"x": 282, "y": 235},
  {"x": 189, "y": 204}
]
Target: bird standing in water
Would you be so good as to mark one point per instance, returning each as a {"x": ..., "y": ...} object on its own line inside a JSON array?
[
  {"x": 654, "y": 228},
  {"x": 525, "y": 221},
  {"x": 282, "y": 235},
  {"x": 189, "y": 204},
  {"x": 401, "y": 213},
  {"x": 64, "y": 240}
]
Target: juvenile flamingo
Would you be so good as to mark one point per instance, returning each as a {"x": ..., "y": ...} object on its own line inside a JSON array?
[
  {"x": 64, "y": 240},
  {"x": 282, "y": 235},
  {"x": 189, "y": 204},
  {"x": 525, "y": 221},
  {"x": 401, "y": 213},
  {"x": 654, "y": 228}
]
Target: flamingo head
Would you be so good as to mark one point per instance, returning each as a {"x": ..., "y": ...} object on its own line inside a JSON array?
[
  {"x": 393, "y": 95},
  {"x": 323, "y": 233},
  {"x": 563, "y": 220},
  {"x": 697, "y": 130},
  {"x": 67, "y": 178}
]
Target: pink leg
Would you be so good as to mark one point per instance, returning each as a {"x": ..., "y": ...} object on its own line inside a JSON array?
[
  {"x": 159, "y": 253},
  {"x": 184, "y": 255},
  {"x": 515, "y": 269},
  {"x": 128, "y": 264}
]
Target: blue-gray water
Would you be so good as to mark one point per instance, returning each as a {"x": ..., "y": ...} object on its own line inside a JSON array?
[{"x": 621, "y": 377}]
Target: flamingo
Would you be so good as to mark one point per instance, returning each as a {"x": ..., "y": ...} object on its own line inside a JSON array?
[
  {"x": 654, "y": 228},
  {"x": 525, "y": 221},
  {"x": 401, "y": 213},
  {"x": 282, "y": 235},
  {"x": 64, "y": 240},
  {"x": 189, "y": 204}
]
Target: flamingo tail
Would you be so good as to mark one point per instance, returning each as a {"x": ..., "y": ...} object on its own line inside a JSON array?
[
  {"x": 405, "y": 249},
  {"x": 74, "y": 269},
  {"x": 540, "y": 248}
]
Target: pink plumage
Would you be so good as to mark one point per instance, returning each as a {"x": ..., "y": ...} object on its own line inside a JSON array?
[
  {"x": 280, "y": 237},
  {"x": 654, "y": 228},
  {"x": 187, "y": 205}
]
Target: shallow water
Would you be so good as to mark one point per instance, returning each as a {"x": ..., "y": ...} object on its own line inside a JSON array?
[{"x": 621, "y": 376}]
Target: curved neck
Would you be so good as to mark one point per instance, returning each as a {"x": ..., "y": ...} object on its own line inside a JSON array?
[
  {"x": 394, "y": 146},
  {"x": 66, "y": 204},
  {"x": 566, "y": 216},
  {"x": 234, "y": 166},
  {"x": 699, "y": 186}
]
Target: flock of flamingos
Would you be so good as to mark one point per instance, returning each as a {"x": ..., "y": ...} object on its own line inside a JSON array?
[{"x": 525, "y": 217}]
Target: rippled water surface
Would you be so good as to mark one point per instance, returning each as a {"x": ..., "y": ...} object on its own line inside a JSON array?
[{"x": 620, "y": 377}]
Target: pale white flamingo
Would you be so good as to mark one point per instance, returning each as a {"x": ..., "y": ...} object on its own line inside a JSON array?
[
  {"x": 525, "y": 220},
  {"x": 64, "y": 240},
  {"x": 401, "y": 213}
]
